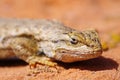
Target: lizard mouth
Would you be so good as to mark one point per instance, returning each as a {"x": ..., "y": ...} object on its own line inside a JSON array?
[{"x": 68, "y": 56}]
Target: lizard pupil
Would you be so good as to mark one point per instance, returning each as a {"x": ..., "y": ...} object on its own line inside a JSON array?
[{"x": 74, "y": 41}]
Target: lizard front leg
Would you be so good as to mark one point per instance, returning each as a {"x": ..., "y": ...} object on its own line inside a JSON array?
[{"x": 27, "y": 49}]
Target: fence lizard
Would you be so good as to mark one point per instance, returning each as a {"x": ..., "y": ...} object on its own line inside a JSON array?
[{"x": 44, "y": 41}]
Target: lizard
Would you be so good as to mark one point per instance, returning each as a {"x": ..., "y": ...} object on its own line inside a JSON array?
[{"x": 38, "y": 41}]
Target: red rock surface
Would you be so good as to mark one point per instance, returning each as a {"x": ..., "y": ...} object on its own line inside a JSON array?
[{"x": 103, "y": 15}]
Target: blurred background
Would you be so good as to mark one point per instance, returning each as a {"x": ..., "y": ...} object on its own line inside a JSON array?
[{"x": 103, "y": 15}]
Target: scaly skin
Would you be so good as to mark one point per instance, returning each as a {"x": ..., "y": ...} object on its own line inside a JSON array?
[{"x": 43, "y": 41}]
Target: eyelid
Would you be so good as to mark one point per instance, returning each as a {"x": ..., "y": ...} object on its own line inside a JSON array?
[{"x": 77, "y": 36}]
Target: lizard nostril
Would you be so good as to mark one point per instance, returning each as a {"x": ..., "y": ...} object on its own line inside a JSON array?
[{"x": 92, "y": 45}]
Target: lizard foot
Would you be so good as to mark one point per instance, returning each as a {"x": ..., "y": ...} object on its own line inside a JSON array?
[
  {"x": 41, "y": 59},
  {"x": 35, "y": 68}
]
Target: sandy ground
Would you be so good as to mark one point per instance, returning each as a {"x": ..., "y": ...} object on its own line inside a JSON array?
[{"x": 103, "y": 15}]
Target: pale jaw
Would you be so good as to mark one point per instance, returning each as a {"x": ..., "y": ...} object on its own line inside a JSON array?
[{"x": 68, "y": 56}]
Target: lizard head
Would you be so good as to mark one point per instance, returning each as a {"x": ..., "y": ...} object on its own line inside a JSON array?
[
  {"x": 72, "y": 46},
  {"x": 68, "y": 45},
  {"x": 79, "y": 46}
]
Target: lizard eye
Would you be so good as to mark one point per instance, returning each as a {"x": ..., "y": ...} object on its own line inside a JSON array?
[{"x": 74, "y": 41}]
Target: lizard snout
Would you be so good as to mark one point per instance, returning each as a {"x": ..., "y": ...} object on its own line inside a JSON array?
[{"x": 69, "y": 56}]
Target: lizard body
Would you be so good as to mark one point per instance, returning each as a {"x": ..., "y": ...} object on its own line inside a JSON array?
[{"x": 43, "y": 41}]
